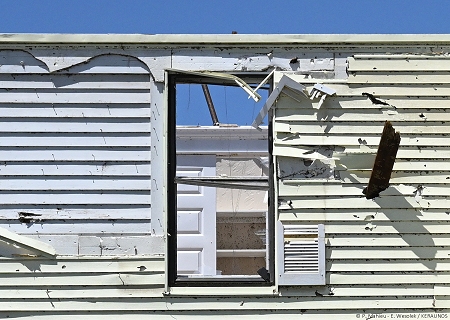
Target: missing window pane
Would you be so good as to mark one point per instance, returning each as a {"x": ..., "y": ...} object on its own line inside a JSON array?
[{"x": 221, "y": 222}]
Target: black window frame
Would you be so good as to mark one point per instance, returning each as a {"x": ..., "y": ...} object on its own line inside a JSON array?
[{"x": 178, "y": 77}]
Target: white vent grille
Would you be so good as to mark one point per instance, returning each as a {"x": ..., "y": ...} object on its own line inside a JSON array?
[
  {"x": 302, "y": 253},
  {"x": 301, "y": 249}
]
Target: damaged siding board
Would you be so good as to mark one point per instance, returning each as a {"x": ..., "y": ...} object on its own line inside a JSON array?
[
  {"x": 78, "y": 143},
  {"x": 397, "y": 240},
  {"x": 383, "y": 255}
]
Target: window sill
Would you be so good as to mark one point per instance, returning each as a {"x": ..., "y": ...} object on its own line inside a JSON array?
[{"x": 222, "y": 291}]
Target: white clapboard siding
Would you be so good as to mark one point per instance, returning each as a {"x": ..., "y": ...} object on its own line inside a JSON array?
[
  {"x": 75, "y": 142},
  {"x": 391, "y": 260},
  {"x": 398, "y": 241},
  {"x": 74, "y": 81},
  {"x": 71, "y": 125}
]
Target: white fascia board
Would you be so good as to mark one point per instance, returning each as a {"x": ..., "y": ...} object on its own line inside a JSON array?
[
  {"x": 27, "y": 243},
  {"x": 174, "y": 40},
  {"x": 285, "y": 81}
]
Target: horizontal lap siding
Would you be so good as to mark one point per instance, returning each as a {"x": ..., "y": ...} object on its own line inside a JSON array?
[
  {"x": 75, "y": 153},
  {"x": 75, "y": 146},
  {"x": 396, "y": 245},
  {"x": 36, "y": 286}
]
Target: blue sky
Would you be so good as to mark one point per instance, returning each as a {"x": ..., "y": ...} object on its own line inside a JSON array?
[
  {"x": 244, "y": 16},
  {"x": 223, "y": 17}
]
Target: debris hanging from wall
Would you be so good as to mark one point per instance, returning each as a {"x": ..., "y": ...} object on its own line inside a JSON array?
[{"x": 384, "y": 162}]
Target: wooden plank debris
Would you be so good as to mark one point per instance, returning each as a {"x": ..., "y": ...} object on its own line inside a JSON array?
[{"x": 384, "y": 162}]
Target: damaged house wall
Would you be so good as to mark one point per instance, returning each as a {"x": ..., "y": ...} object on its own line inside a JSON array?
[{"x": 83, "y": 154}]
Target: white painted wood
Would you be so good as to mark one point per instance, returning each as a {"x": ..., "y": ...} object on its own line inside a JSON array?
[
  {"x": 244, "y": 60},
  {"x": 59, "y": 96},
  {"x": 110, "y": 169},
  {"x": 58, "y": 162},
  {"x": 75, "y": 81},
  {"x": 399, "y": 64},
  {"x": 387, "y": 228},
  {"x": 60, "y": 110},
  {"x": 36, "y": 69},
  {"x": 363, "y": 128},
  {"x": 400, "y": 278},
  {"x": 334, "y": 115},
  {"x": 412, "y": 265},
  {"x": 196, "y": 218},
  {"x": 118, "y": 279},
  {"x": 74, "y": 184},
  {"x": 417, "y": 77},
  {"x": 81, "y": 125},
  {"x": 389, "y": 202},
  {"x": 59, "y": 154},
  {"x": 361, "y": 215},
  {"x": 284, "y": 139},
  {"x": 94, "y": 227},
  {"x": 84, "y": 213},
  {"x": 309, "y": 190},
  {"x": 82, "y": 198},
  {"x": 284, "y": 82},
  {"x": 358, "y": 101},
  {"x": 27, "y": 243},
  {"x": 355, "y": 288},
  {"x": 227, "y": 305},
  {"x": 98, "y": 140}
]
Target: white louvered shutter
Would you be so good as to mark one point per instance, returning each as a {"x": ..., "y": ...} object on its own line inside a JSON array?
[{"x": 301, "y": 254}]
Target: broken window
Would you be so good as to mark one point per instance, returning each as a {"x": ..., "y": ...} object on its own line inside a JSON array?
[{"x": 220, "y": 217}]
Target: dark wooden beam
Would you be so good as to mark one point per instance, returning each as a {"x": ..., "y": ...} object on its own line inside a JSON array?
[{"x": 384, "y": 162}]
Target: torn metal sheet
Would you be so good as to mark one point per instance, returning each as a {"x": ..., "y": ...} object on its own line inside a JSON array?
[
  {"x": 284, "y": 82},
  {"x": 384, "y": 162},
  {"x": 223, "y": 76}
]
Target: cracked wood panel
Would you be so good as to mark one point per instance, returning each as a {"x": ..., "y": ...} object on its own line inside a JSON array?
[
  {"x": 78, "y": 143},
  {"x": 372, "y": 128},
  {"x": 98, "y": 245},
  {"x": 82, "y": 266},
  {"x": 134, "y": 278},
  {"x": 256, "y": 59},
  {"x": 369, "y": 140},
  {"x": 358, "y": 101},
  {"x": 355, "y": 190},
  {"x": 357, "y": 116},
  {"x": 106, "y": 227}
]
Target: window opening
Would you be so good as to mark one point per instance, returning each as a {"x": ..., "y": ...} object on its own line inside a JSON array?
[{"x": 220, "y": 223}]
